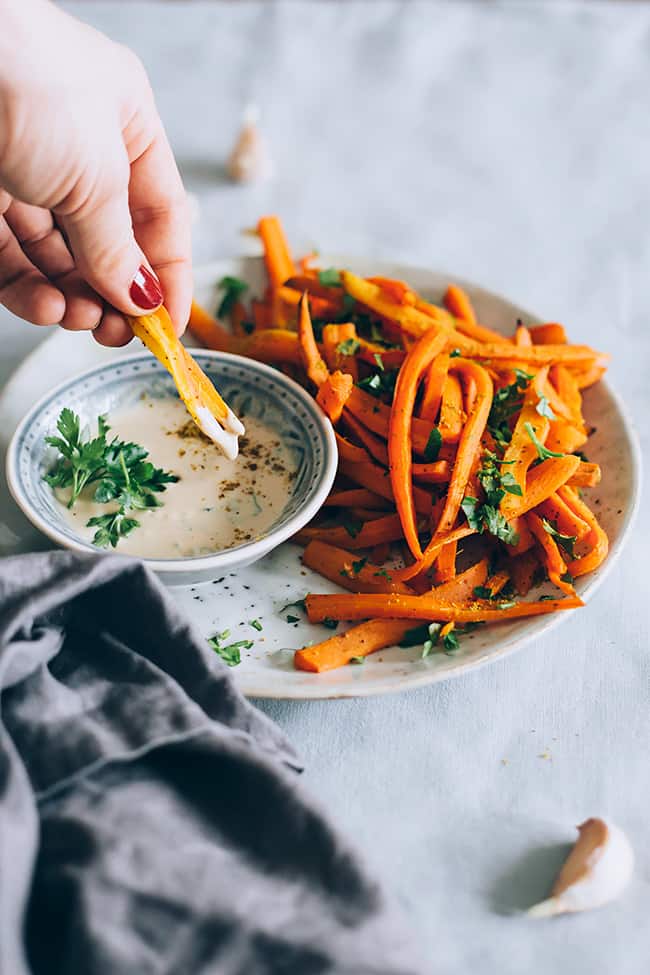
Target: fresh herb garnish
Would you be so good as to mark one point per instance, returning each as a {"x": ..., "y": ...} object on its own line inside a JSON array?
[
  {"x": 380, "y": 362},
  {"x": 507, "y": 401},
  {"x": 482, "y": 592},
  {"x": 566, "y": 541},
  {"x": 384, "y": 573},
  {"x": 293, "y": 619},
  {"x": 230, "y": 654},
  {"x": 348, "y": 347},
  {"x": 352, "y": 526},
  {"x": 567, "y": 577},
  {"x": 544, "y": 408},
  {"x": 256, "y": 625},
  {"x": 233, "y": 288},
  {"x": 358, "y": 566},
  {"x": 450, "y": 642},
  {"x": 433, "y": 445},
  {"x": 121, "y": 470},
  {"x": 455, "y": 353},
  {"x": 330, "y": 623},
  {"x": 380, "y": 382},
  {"x": 357, "y": 660},
  {"x": 508, "y": 604},
  {"x": 495, "y": 482},
  {"x": 542, "y": 452},
  {"x": 485, "y": 517},
  {"x": 330, "y": 278}
]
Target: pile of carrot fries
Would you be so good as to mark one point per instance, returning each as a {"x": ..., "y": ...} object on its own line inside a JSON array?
[{"x": 446, "y": 430}]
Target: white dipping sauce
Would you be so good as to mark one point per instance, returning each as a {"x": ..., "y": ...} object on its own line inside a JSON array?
[{"x": 217, "y": 504}]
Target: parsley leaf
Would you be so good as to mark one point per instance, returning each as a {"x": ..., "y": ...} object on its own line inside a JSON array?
[
  {"x": 506, "y": 402},
  {"x": 385, "y": 574},
  {"x": 357, "y": 660},
  {"x": 358, "y": 566},
  {"x": 380, "y": 362},
  {"x": 566, "y": 541},
  {"x": 330, "y": 278},
  {"x": 111, "y": 527},
  {"x": 256, "y": 625},
  {"x": 544, "y": 408},
  {"x": 379, "y": 382},
  {"x": 542, "y": 452},
  {"x": 482, "y": 592},
  {"x": 348, "y": 347},
  {"x": 330, "y": 623},
  {"x": 230, "y": 654},
  {"x": 352, "y": 526},
  {"x": 433, "y": 445},
  {"x": 450, "y": 642},
  {"x": 455, "y": 353},
  {"x": 233, "y": 289}
]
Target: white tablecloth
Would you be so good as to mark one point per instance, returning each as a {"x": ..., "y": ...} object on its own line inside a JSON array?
[{"x": 508, "y": 142}]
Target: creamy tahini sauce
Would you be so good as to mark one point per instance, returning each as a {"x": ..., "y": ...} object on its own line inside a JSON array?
[{"x": 218, "y": 502}]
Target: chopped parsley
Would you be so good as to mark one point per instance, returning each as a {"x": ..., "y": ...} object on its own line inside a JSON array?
[
  {"x": 330, "y": 623},
  {"x": 455, "y": 353},
  {"x": 543, "y": 452},
  {"x": 230, "y": 654},
  {"x": 482, "y": 592},
  {"x": 293, "y": 619},
  {"x": 379, "y": 382},
  {"x": 357, "y": 660},
  {"x": 566, "y": 541},
  {"x": 233, "y": 288},
  {"x": 380, "y": 362},
  {"x": 352, "y": 526},
  {"x": 433, "y": 445},
  {"x": 385, "y": 574},
  {"x": 485, "y": 517},
  {"x": 348, "y": 347},
  {"x": 544, "y": 408},
  {"x": 507, "y": 401},
  {"x": 121, "y": 471},
  {"x": 256, "y": 625},
  {"x": 330, "y": 278},
  {"x": 450, "y": 642},
  {"x": 358, "y": 566}
]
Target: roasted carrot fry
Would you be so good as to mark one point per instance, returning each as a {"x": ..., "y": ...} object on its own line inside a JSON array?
[
  {"x": 340, "y": 344},
  {"x": 549, "y": 334},
  {"x": 586, "y": 475},
  {"x": 556, "y": 567},
  {"x": 313, "y": 362},
  {"x": 347, "y": 570},
  {"x": 208, "y": 330},
  {"x": 596, "y": 541},
  {"x": 438, "y": 472},
  {"x": 557, "y": 511},
  {"x": 277, "y": 256},
  {"x": 433, "y": 386},
  {"x": 458, "y": 302},
  {"x": 350, "y": 451},
  {"x": 372, "y": 533},
  {"x": 542, "y": 481},
  {"x": 427, "y": 607},
  {"x": 375, "y": 446},
  {"x": 356, "y": 497},
  {"x": 359, "y": 641},
  {"x": 333, "y": 394},
  {"x": 375, "y": 478},
  {"x": 399, "y": 434},
  {"x": 452, "y": 415}
]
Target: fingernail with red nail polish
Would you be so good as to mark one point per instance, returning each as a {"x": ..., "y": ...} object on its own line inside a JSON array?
[{"x": 145, "y": 290}]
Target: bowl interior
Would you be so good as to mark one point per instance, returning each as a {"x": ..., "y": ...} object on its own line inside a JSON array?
[{"x": 251, "y": 389}]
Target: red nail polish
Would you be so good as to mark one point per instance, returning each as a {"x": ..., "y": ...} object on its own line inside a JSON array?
[{"x": 145, "y": 290}]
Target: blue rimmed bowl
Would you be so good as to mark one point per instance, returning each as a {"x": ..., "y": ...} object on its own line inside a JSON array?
[{"x": 246, "y": 385}]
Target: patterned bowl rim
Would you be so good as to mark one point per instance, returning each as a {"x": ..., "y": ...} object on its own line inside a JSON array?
[{"x": 248, "y": 552}]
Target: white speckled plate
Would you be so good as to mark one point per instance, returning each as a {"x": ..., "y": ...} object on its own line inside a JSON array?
[{"x": 260, "y": 591}]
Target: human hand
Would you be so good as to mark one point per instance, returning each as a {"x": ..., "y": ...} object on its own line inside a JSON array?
[{"x": 90, "y": 196}]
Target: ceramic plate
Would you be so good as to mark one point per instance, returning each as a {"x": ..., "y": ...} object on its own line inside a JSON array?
[{"x": 260, "y": 592}]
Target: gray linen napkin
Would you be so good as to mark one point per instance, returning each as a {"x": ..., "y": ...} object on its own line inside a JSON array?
[{"x": 150, "y": 818}]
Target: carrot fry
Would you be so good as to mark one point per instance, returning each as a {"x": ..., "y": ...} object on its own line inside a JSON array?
[
  {"x": 399, "y": 433},
  {"x": 314, "y": 364},
  {"x": 375, "y": 478},
  {"x": 469, "y": 444},
  {"x": 523, "y": 337},
  {"x": 208, "y": 330},
  {"x": 356, "y": 497},
  {"x": 458, "y": 302},
  {"x": 433, "y": 386},
  {"x": 372, "y": 533},
  {"x": 557, "y": 511},
  {"x": 375, "y": 446},
  {"x": 452, "y": 415},
  {"x": 349, "y": 451},
  {"x": 335, "y": 339},
  {"x": 438, "y": 472},
  {"x": 525, "y": 539},
  {"x": 568, "y": 392},
  {"x": 432, "y": 552},
  {"x": 596, "y": 540},
  {"x": 548, "y": 334},
  {"x": 586, "y": 475},
  {"x": 342, "y": 567},
  {"x": 445, "y": 567},
  {"x": 277, "y": 256},
  {"x": 522, "y": 571},
  {"x": 542, "y": 481},
  {"x": 556, "y": 567},
  {"x": 350, "y": 606},
  {"x": 376, "y": 416},
  {"x": 333, "y": 394},
  {"x": 358, "y": 641},
  {"x": 395, "y": 290},
  {"x": 564, "y": 438}
]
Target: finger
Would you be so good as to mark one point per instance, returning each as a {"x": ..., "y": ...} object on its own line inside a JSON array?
[
  {"x": 113, "y": 330},
  {"x": 44, "y": 245},
  {"x": 101, "y": 239},
  {"x": 161, "y": 224},
  {"x": 24, "y": 289}
]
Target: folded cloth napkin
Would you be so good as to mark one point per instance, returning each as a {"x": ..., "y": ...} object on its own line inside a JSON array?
[{"x": 151, "y": 820}]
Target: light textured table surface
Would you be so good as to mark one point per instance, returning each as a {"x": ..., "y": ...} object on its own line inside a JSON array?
[{"x": 508, "y": 142}]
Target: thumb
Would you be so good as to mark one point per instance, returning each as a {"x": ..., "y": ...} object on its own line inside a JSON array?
[{"x": 100, "y": 235}]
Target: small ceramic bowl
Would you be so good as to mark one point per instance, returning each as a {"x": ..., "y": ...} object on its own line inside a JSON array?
[{"x": 288, "y": 410}]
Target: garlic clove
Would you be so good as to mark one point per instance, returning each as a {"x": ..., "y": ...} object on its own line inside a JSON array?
[
  {"x": 249, "y": 160},
  {"x": 596, "y": 871}
]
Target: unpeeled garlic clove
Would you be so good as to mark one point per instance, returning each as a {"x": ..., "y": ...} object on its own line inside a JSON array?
[
  {"x": 596, "y": 871},
  {"x": 249, "y": 160}
]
